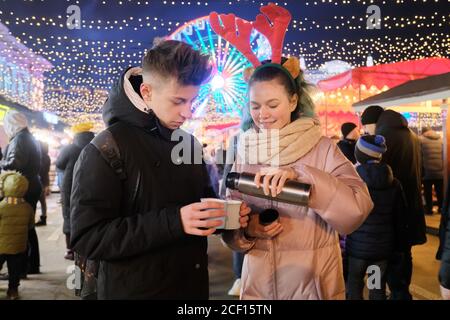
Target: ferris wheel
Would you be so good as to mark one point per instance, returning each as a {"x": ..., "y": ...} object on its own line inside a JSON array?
[{"x": 225, "y": 94}]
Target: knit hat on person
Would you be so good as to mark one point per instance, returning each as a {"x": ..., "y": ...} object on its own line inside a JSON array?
[
  {"x": 346, "y": 128},
  {"x": 371, "y": 115},
  {"x": 370, "y": 148},
  {"x": 13, "y": 184}
]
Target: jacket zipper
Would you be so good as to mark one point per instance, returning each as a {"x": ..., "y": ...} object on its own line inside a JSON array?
[
  {"x": 275, "y": 292},
  {"x": 136, "y": 189}
]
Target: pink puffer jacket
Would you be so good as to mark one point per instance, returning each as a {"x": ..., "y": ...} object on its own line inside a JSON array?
[{"x": 304, "y": 261}]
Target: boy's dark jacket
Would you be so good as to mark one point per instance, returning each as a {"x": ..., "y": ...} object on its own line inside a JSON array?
[{"x": 133, "y": 226}]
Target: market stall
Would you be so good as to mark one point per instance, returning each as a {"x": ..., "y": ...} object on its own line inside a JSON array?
[
  {"x": 340, "y": 92},
  {"x": 423, "y": 102}
]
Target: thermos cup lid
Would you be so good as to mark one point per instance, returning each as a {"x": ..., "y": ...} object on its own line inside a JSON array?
[{"x": 268, "y": 216}]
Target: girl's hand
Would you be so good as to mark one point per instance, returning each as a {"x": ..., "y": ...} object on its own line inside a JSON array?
[
  {"x": 256, "y": 230},
  {"x": 274, "y": 179}
]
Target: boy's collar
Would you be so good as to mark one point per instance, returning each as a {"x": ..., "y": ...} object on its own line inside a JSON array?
[{"x": 157, "y": 126}]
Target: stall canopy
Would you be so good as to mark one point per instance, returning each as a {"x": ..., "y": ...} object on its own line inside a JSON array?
[
  {"x": 429, "y": 88},
  {"x": 387, "y": 75}
]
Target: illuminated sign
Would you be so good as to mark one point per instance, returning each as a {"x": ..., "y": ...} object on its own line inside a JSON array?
[{"x": 3, "y": 110}]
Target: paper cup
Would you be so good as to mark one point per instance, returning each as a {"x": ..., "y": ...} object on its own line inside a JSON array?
[{"x": 232, "y": 209}]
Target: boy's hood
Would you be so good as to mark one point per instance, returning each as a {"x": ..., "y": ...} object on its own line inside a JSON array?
[{"x": 125, "y": 103}]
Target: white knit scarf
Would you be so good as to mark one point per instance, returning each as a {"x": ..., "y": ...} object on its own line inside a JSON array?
[{"x": 279, "y": 147}]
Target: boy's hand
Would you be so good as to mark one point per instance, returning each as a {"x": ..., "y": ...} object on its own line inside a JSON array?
[{"x": 193, "y": 217}]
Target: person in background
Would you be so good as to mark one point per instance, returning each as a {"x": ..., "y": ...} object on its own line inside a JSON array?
[
  {"x": 375, "y": 240},
  {"x": 16, "y": 219},
  {"x": 23, "y": 154},
  {"x": 66, "y": 162},
  {"x": 403, "y": 155},
  {"x": 444, "y": 250},
  {"x": 45, "y": 181},
  {"x": 211, "y": 168},
  {"x": 219, "y": 159},
  {"x": 433, "y": 168},
  {"x": 59, "y": 180},
  {"x": 350, "y": 134},
  {"x": 238, "y": 257},
  {"x": 443, "y": 223},
  {"x": 369, "y": 119}
]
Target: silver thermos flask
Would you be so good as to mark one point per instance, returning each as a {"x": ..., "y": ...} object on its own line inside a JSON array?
[{"x": 293, "y": 192}]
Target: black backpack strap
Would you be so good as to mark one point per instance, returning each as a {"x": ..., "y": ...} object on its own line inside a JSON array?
[{"x": 107, "y": 146}]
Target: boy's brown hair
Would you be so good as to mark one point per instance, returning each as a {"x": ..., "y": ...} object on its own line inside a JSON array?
[{"x": 171, "y": 58}]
